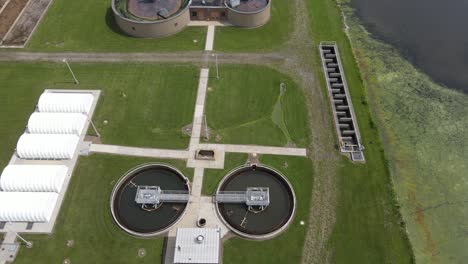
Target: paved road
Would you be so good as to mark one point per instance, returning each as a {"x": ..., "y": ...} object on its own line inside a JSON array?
[{"x": 192, "y": 57}]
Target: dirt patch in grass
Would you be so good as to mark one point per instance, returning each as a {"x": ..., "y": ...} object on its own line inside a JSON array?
[{"x": 9, "y": 15}]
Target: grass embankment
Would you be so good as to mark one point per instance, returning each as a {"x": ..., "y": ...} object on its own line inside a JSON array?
[
  {"x": 424, "y": 127},
  {"x": 125, "y": 89},
  {"x": 89, "y": 25},
  {"x": 86, "y": 220},
  {"x": 368, "y": 227},
  {"x": 267, "y": 37},
  {"x": 240, "y": 107}
]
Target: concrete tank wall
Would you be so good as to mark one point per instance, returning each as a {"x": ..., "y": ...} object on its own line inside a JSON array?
[
  {"x": 153, "y": 29},
  {"x": 249, "y": 19}
]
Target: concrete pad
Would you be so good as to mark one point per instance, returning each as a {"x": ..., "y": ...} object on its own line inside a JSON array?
[
  {"x": 194, "y": 23},
  {"x": 9, "y": 248},
  {"x": 302, "y": 152},
  {"x": 139, "y": 152},
  {"x": 216, "y": 163},
  {"x": 200, "y": 207},
  {"x": 210, "y": 38}
]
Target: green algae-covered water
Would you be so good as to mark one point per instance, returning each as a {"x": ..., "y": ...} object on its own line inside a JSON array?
[{"x": 424, "y": 125}]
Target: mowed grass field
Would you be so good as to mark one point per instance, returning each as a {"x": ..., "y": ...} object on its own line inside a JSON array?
[
  {"x": 88, "y": 25},
  {"x": 240, "y": 107},
  {"x": 85, "y": 218},
  {"x": 270, "y": 36},
  {"x": 368, "y": 227},
  {"x": 137, "y": 100}
]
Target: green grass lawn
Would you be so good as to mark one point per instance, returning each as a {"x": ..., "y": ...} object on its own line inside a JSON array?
[
  {"x": 287, "y": 247},
  {"x": 137, "y": 100},
  {"x": 240, "y": 107},
  {"x": 88, "y": 25},
  {"x": 85, "y": 218},
  {"x": 368, "y": 226},
  {"x": 267, "y": 37}
]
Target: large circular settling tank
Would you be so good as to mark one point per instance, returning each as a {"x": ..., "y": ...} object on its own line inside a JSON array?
[
  {"x": 248, "y": 6},
  {"x": 146, "y": 219},
  {"x": 154, "y": 9},
  {"x": 256, "y": 222}
]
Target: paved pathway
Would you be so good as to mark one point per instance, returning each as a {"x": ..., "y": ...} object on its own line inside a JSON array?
[
  {"x": 256, "y": 149},
  {"x": 197, "y": 182},
  {"x": 210, "y": 33},
  {"x": 198, "y": 114},
  {"x": 140, "y": 152}
]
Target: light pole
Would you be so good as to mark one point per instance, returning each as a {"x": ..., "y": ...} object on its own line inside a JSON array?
[
  {"x": 217, "y": 69},
  {"x": 68, "y": 65},
  {"x": 29, "y": 244}
]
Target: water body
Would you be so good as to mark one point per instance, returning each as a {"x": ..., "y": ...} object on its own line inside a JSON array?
[{"x": 432, "y": 34}]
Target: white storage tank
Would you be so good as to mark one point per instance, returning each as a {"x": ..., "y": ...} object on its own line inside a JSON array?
[
  {"x": 33, "y": 178},
  {"x": 46, "y": 146},
  {"x": 65, "y": 102},
  {"x": 27, "y": 206},
  {"x": 56, "y": 123}
]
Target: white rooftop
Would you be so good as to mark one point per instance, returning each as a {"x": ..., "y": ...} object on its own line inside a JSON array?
[{"x": 197, "y": 245}]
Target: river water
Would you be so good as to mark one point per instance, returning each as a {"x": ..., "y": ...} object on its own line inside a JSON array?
[{"x": 432, "y": 34}]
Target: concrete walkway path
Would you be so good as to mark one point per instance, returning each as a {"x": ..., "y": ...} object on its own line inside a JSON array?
[
  {"x": 199, "y": 109},
  {"x": 197, "y": 182},
  {"x": 140, "y": 152},
  {"x": 210, "y": 33},
  {"x": 302, "y": 152}
]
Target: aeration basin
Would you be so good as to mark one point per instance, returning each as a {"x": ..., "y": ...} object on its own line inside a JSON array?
[
  {"x": 256, "y": 223},
  {"x": 135, "y": 218}
]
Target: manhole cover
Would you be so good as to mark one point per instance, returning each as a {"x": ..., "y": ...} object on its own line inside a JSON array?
[{"x": 141, "y": 252}]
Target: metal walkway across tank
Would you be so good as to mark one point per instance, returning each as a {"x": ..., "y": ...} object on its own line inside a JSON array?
[
  {"x": 154, "y": 195},
  {"x": 253, "y": 196}
]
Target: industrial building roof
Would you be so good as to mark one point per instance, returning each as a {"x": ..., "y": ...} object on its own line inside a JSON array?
[{"x": 197, "y": 245}]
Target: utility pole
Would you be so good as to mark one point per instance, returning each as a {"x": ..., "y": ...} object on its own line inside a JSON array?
[{"x": 69, "y": 68}]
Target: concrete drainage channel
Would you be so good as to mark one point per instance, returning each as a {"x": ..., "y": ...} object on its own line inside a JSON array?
[{"x": 343, "y": 112}]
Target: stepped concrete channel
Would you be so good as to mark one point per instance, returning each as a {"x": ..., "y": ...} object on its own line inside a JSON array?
[{"x": 347, "y": 130}]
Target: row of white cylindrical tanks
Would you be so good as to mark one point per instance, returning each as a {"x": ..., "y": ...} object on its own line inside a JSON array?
[
  {"x": 53, "y": 132},
  {"x": 29, "y": 193}
]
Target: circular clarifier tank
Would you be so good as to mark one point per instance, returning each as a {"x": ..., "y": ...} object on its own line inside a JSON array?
[
  {"x": 146, "y": 220},
  {"x": 256, "y": 222},
  {"x": 155, "y": 9}
]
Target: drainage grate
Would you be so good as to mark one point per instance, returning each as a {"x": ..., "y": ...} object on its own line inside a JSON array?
[{"x": 345, "y": 120}]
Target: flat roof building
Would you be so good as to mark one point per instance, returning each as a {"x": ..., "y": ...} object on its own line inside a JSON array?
[{"x": 197, "y": 245}]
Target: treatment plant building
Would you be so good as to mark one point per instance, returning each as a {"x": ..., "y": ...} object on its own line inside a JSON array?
[{"x": 160, "y": 18}]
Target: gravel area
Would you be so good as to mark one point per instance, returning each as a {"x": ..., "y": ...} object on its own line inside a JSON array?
[
  {"x": 9, "y": 15},
  {"x": 26, "y": 24}
]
